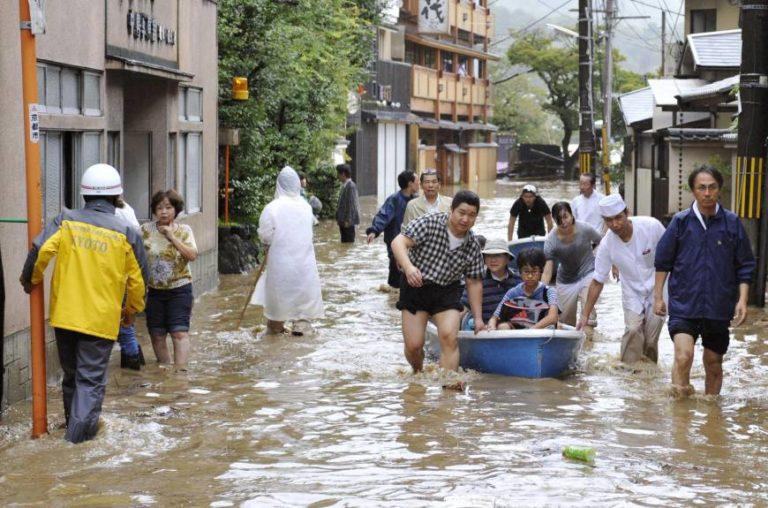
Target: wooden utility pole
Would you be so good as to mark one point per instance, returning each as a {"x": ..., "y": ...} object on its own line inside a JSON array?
[
  {"x": 750, "y": 185},
  {"x": 610, "y": 16},
  {"x": 34, "y": 215},
  {"x": 586, "y": 112},
  {"x": 663, "y": 43}
]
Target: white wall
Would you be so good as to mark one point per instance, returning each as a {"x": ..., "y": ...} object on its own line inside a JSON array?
[{"x": 391, "y": 158}]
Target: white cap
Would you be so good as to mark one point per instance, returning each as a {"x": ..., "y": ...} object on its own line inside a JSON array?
[
  {"x": 611, "y": 205},
  {"x": 530, "y": 188},
  {"x": 101, "y": 180},
  {"x": 496, "y": 246}
]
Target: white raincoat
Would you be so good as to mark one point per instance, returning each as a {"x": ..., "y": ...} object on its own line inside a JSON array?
[{"x": 290, "y": 287}]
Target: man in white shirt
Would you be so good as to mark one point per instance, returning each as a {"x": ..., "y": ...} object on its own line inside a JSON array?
[
  {"x": 586, "y": 206},
  {"x": 630, "y": 245}
]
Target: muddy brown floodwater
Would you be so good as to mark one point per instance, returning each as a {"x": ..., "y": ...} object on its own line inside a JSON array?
[{"x": 338, "y": 420}]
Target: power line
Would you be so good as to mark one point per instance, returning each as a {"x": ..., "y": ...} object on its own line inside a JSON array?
[
  {"x": 648, "y": 25},
  {"x": 674, "y": 28},
  {"x": 519, "y": 32}
]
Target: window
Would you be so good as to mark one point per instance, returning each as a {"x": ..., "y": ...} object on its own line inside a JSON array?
[
  {"x": 64, "y": 158},
  {"x": 91, "y": 94},
  {"x": 410, "y": 53},
  {"x": 190, "y": 104},
  {"x": 189, "y": 177},
  {"x": 52, "y": 89},
  {"x": 51, "y": 165},
  {"x": 703, "y": 20},
  {"x": 170, "y": 172},
  {"x": 429, "y": 58},
  {"x": 113, "y": 150},
  {"x": 68, "y": 90},
  {"x": 70, "y": 95},
  {"x": 41, "y": 86},
  {"x": 182, "y": 103}
]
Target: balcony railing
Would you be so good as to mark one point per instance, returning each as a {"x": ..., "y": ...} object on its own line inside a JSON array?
[{"x": 447, "y": 93}]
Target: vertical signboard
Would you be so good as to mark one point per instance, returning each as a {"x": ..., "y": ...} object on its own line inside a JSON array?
[{"x": 433, "y": 17}]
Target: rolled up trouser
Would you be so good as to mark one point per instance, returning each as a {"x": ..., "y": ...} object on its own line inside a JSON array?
[
  {"x": 84, "y": 360},
  {"x": 641, "y": 335},
  {"x": 568, "y": 297}
]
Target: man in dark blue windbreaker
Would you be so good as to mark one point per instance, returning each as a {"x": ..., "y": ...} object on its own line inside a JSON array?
[
  {"x": 390, "y": 217},
  {"x": 708, "y": 257}
]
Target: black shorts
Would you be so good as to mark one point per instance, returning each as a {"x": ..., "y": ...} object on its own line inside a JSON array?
[
  {"x": 714, "y": 332},
  {"x": 431, "y": 298},
  {"x": 169, "y": 310}
]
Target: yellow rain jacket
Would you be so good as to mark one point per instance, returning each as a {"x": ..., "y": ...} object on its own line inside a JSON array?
[{"x": 99, "y": 260}]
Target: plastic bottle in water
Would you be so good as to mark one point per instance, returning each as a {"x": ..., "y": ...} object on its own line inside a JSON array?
[{"x": 582, "y": 453}]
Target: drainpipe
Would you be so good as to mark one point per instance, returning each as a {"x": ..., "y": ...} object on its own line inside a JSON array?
[{"x": 34, "y": 216}]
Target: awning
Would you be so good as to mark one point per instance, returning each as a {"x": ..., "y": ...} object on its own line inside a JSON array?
[
  {"x": 724, "y": 86},
  {"x": 119, "y": 63},
  {"x": 701, "y": 134},
  {"x": 482, "y": 145},
  {"x": 391, "y": 116},
  {"x": 447, "y": 46},
  {"x": 636, "y": 106},
  {"x": 454, "y": 148},
  {"x": 475, "y": 126}
]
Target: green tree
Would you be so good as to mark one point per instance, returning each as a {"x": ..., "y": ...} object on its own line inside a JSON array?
[
  {"x": 558, "y": 68},
  {"x": 301, "y": 58},
  {"x": 518, "y": 108}
]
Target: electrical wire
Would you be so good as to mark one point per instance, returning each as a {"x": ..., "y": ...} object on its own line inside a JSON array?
[{"x": 528, "y": 26}]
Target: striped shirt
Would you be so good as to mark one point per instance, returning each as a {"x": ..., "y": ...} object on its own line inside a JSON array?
[{"x": 493, "y": 291}]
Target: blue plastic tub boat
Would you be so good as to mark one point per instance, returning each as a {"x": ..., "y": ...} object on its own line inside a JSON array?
[{"x": 519, "y": 353}]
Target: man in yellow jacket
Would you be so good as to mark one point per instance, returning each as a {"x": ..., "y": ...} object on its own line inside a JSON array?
[{"x": 100, "y": 262}]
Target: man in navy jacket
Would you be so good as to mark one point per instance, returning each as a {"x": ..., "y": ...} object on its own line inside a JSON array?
[
  {"x": 708, "y": 257},
  {"x": 389, "y": 218}
]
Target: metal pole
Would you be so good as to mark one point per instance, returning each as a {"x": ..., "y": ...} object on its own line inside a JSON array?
[
  {"x": 226, "y": 185},
  {"x": 586, "y": 124},
  {"x": 663, "y": 43},
  {"x": 34, "y": 215},
  {"x": 608, "y": 71},
  {"x": 610, "y": 16},
  {"x": 753, "y": 130}
]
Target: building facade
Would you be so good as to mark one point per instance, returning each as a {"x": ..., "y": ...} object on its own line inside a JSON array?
[
  {"x": 132, "y": 83},
  {"x": 430, "y": 99},
  {"x": 681, "y": 122}
]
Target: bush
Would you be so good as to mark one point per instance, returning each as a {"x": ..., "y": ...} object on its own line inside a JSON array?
[{"x": 324, "y": 184}]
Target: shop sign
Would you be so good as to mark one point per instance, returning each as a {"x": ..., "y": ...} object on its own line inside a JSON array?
[
  {"x": 146, "y": 28},
  {"x": 433, "y": 16}
]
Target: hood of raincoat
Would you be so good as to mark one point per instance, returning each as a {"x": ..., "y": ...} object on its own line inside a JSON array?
[{"x": 288, "y": 184}]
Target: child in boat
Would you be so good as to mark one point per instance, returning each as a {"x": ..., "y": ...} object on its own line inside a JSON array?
[
  {"x": 498, "y": 279},
  {"x": 530, "y": 304}
]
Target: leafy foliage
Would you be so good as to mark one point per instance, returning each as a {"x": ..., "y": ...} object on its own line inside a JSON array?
[
  {"x": 518, "y": 108},
  {"x": 558, "y": 67},
  {"x": 301, "y": 58}
]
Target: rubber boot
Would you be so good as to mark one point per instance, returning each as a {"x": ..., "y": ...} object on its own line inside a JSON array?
[{"x": 132, "y": 362}]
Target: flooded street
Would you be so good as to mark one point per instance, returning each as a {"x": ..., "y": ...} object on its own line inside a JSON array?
[{"x": 338, "y": 419}]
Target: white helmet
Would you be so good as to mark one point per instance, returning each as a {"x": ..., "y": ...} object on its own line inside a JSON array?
[{"x": 101, "y": 180}]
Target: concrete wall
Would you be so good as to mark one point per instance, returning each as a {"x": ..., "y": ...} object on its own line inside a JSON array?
[{"x": 80, "y": 41}]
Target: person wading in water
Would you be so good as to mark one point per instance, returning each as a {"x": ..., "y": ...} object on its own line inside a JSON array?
[{"x": 436, "y": 252}]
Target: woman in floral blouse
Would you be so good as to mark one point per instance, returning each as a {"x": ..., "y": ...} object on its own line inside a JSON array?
[{"x": 170, "y": 247}]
